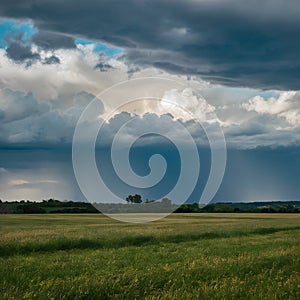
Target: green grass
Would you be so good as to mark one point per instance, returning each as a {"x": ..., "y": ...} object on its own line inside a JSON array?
[{"x": 190, "y": 256}]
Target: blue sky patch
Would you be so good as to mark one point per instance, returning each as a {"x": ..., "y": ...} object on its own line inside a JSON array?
[
  {"x": 99, "y": 47},
  {"x": 269, "y": 94},
  {"x": 13, "y": 27}
]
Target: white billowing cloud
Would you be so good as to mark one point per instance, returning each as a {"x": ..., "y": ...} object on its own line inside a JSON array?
[
  {"x": 182, "y": 104},
  {"x": 15, "y": 105},
  {"x": 271, "y": 106},
  {"x": 25, "y": 119},
  {"x": 263, "y": 131},
  {"x": 161, "y": 127},
  {"x": 286, "y": 106},
  {"x": 79, "y": 69},
  {"x": 75, "y": 72},
  {"x": 186, "y": 105}
]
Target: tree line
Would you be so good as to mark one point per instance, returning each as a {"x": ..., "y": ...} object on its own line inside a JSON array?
[{"x": 57, "y": 206}]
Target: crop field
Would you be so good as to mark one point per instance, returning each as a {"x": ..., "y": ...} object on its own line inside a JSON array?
[{"x": 184, "y": 256}]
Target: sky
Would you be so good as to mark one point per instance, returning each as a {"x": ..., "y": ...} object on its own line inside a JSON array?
[{"x": 238, "y": 59}]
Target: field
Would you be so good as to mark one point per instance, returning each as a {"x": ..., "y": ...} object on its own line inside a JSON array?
[{"x": 184, "y": 256}]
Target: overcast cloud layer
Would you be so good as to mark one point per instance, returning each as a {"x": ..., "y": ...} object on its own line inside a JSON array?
[{"x": 241, "y": 43}]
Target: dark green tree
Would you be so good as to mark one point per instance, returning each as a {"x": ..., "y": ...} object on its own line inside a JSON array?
[{"x": 134, "y": 199}]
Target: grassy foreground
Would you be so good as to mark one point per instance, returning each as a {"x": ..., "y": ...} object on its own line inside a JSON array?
[{"x": 190, "y": 256}]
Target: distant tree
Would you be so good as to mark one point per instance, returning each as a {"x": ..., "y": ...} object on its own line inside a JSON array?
[
  {"x": 134, "y": 199},
  {"x": 223, "y": 208},
  {"x": 166, "y": 201},
  {"x": 129, "y": 199},
  {"x": 137, "y": 198},
  {"x": 149, "y": 201},
  {"x": 30, "y": 209}
]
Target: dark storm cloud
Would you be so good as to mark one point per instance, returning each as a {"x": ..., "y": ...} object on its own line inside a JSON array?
[
  {"x": 251, "y": 175},
  {"x": 50, "y": 40},
  {"x": 20, "y": 52},
  {"x": 44, "y": 173},
  {"x": 261, "y": 174},
  {"x": 103, "y": 65},
  {"x": 239, "y": 43},
  {"x": 52, "y": 60}
]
